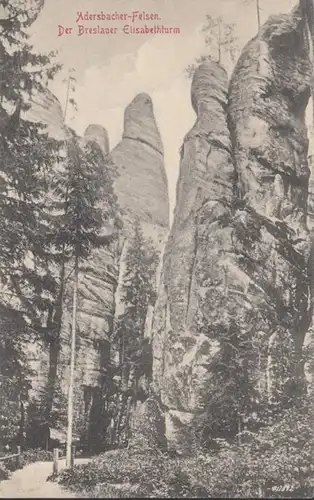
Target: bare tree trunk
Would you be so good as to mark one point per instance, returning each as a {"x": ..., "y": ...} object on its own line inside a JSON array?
[
  {"x": 67, "y": 99},
  {"x": 72, "y": 367},
  {"x": 239, "y": 430},
  {"x": 258, "y": 11},
  {"x": 54, "y": 329},
  {"x": 55, "y": 324},
  {"x": 219, "y": 43}
]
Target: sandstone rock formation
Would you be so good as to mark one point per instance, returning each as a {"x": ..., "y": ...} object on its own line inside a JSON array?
[
  {"x": 97, "y": 133},
  {"x": 267, "y": 104},
  {"x": 97, "y": 285},
  {"x": 195, "y": 252},
  {"x": 141, "y": 188},
  {"x": 236, "y": 284},
  {"x": 46, "y": 109},
  {"x": 141, "y": 183},
  {"x": 96, "y": 305}
]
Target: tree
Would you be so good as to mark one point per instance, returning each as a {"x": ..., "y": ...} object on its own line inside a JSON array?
[
  {"x": 232, "y": 399},
  {"x": 22, "y": 70},
  {"x": 220, "y": 39},
  {"x": 14, "y": 375},
  {"x": 28, "y": 157},
  {"x": 39, "y": 422},
  {"x": 258, "y": 11},
  {"x": 84, "y": 188},
  {"x": 71, "y": 88},
  {"x": 137, "y": 293}
]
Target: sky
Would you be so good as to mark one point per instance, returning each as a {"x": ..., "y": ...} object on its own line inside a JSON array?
[{"x": 111, "y": 69}]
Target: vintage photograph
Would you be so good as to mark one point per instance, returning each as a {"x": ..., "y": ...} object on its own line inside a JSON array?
[{"x": 156, "y": 248}]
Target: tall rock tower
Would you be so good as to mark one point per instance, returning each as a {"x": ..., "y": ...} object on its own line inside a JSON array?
[
  {"x": 141, "y": 188},
  {"x": 194, "y": 259},
  {"x": 267, "y": 103},
  {"x": 235, "y": 289},
  {"x": 141, "y": 183}
]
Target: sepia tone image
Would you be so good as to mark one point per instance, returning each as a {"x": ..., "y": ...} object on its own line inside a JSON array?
[{"x": 156, "y": 248}]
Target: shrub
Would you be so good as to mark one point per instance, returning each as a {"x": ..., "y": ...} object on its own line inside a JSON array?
[
  {"x": 129, "y": 474},
  {"x": 4, "y": 472},
  {"x": 275, "y": 456},
  {"x": 35, "y": 455},
  {"x": 10, "y": 464}
]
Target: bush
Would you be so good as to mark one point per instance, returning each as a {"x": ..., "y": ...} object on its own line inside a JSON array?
[
  {"x": 128, "y": 473},
  {"x": 10, "y": 464},
  {"x": 258, "y": 464},
  {"x": 35, "y": 455},
  {"x": 4, "y": 472}
]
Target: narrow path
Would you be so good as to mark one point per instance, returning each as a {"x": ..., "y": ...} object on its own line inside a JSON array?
[{"x": 30, "y": 482}]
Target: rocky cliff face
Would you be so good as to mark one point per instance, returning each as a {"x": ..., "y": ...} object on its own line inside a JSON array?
[
  {"x": 235, "y": 287},
  {"x": 96, "y": 303},
  {"x": 46, "y": 108},
  {"x": 142, "y": 192},
  {"x": 141, "y": 187},
  {"x": 97, "y": 285},
  {"x": 267, "y": 104},
  {"x": 195, "y": 254},
  {"x": 141, "y": 183}
]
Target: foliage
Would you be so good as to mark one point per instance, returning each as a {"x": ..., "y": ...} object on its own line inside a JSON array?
[
  {"x": 135, "y": 357},
  {"x": 27, "y": 156},
  {"x": 4, "y": 472},
  {"x": 276, "y": 455},
  {"x": 22, "y": 70},
  {"x": 14, "y": 374},
  {"x": 137, "y": 293},
  {"x": 148, "y": 426},
  {"x": 47, "y": 203},
  {"x": 221, "y": 41},
  {"x": 39, "y": 422},
  {"x": 86, "y": 201},
  {"x": 152, "y": 475},
  {"x": 35, "y": 455},
  {"x": 232, "y": 392}
]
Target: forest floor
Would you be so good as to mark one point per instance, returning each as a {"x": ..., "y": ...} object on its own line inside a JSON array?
[{"x": 31, "y": 482}]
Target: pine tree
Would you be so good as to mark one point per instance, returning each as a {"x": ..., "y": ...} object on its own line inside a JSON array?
[
  {"x": 232, "y": 397},
  {"x": 84, "y": 188},
  {"x": 221, "y": 41},
  {"x": 14, "y": 375},
  {"x": 28, "y": 157},
  {"x": 258, "y": 11},
  {"x": 137, "y": 293},
  {"x": 22, "y": 71}
]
